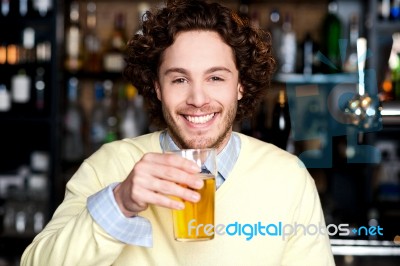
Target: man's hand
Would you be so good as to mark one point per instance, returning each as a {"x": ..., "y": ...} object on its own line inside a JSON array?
[{"x": 153, "y": 179}]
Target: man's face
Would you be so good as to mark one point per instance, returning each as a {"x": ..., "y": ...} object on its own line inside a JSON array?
[{"x": 199, "y": 89}]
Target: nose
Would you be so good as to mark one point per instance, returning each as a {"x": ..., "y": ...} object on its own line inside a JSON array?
[{"x": 198, "y": 95}]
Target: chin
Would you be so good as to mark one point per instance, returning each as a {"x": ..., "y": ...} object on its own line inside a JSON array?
[
  {"x": 209, "y": 141},
  {"x": 198, "y": 143},
  {"x": 212, "y": 137}
]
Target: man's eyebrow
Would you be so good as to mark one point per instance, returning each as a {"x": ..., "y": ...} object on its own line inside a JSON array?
[
  {"x": 184, "y": 71},
  {"x": 218, "y": 68},
  {"x": 176, "y": 70}
]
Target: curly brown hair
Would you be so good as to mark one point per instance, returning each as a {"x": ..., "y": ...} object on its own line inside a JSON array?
[{"x": 251, "y": 47}]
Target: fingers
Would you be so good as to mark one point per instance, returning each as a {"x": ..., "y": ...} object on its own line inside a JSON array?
[
  {"x": 163, "y": 201},
  {"x": 172, "y": 160},
  {"x": 175, "y": 190},
  {"x": 157, "y": 192},
  {"x": 172, "y": 168},
  {"x": 164, "y": 186},
  {"x": 160, "y": 179}
]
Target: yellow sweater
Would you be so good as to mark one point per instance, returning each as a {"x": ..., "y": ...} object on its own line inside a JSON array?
[{"x": 267, "y": 187}]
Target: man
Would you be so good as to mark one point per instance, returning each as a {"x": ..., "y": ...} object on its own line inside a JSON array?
[{"x": 200, "y": 67}]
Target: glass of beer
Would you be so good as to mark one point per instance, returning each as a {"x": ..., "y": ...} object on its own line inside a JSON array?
[{"x": 196, "y": 221}]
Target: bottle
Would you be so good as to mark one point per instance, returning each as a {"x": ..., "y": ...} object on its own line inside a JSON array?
[
  {"x": 394, "y": 64},
  {"x": 12, "y": 54},
  {"x": 92, "y": 43},
  {"x": 350, "y": 64},
  {"x": 28, "y": 45},
  {"x": 73, "y": 61},
  {"x": 21, "y": 87},
  {"x": 275, "y": 28},
  {"x": 42, "y": 6},
  {"x": 332, "y": 30},
  {"x": 40, "y": 86},
  {"x": 43, "y": 51},
  {"x": 3, "y": 54},
  {"x": 243, "y": 9},
  {"x": 128, "y": 125},
  {"x": 308, "y": 55},
  {"x": 110, "y": 112},
  {"x": 261, "y": 129},
  {"x": 5, "y": 7},
  {"x": 113, "y": 60},
  {"x": 23, "y": 8},
  {"x": 5, "y": 99},
  {"x": 73, "y": 119},
  {"x": 142, "y": 118},
  {"x": 395, "y": 10},
  {"x": 396, "y": 80},
  {"x": 288, "y": 47},
  {"x": 281, "y": 122},
  {"x": 384, "y": 9},
  {"x": 98, "y": 128},
  {"x": 386, "y": 93}
]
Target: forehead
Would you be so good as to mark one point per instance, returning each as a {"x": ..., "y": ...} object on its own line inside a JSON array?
[
  {"x": 192, "y": 35},
  {"x": 193, "y": 47}
]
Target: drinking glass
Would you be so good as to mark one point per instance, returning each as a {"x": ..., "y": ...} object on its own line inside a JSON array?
[{"x": 196, "y": 221}]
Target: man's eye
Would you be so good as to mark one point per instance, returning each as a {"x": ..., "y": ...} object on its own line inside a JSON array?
[
  {"x": 179, "y": 80},
  {"x": 216, "y": 79}
]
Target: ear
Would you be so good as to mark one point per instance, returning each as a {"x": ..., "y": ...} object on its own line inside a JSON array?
[
  {"x": 240, "y": 91},
  {"x": 158, "y": 90}
]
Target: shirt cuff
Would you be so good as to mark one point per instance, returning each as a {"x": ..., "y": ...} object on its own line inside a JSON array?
[{"x": 104, "y": 210}]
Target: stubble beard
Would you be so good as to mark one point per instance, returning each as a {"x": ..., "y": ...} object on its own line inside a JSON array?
[{"x": 199, "y": 141}]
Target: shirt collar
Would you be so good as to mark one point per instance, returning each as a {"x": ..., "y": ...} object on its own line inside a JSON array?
[{"x": 226, "y": 159}]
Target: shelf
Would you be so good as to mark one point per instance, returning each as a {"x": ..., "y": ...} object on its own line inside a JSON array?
[
  {"x": 95, "y": 75},
  {"x": 316, "y": 78},
  {"x": 391, "y": 113},
  {"x": 28, "y": 112},
  {"x": 35, "y": 20},
  {"x": 34, "y": 128},
  {"x": 364, "y": 247},
  {"x": 4, "y": 117},
  {"x": 384, "y": 27}
]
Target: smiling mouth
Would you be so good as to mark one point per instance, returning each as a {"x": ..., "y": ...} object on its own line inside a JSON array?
[{"x": 199, "y": 119}]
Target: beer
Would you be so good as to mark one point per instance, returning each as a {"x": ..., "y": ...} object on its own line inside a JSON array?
[{"x": 196, "y": 221}]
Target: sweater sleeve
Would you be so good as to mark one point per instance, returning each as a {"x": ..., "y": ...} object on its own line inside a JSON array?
[
  {"x": 73, "y": 237},
  {"x": 309, "y": 244},
  {"x": 104, "y": 210}
]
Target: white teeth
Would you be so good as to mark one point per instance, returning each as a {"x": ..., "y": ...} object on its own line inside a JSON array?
[{"x": 200, "y": 119}]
